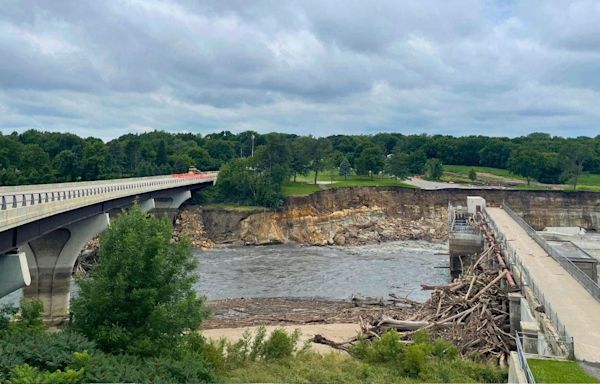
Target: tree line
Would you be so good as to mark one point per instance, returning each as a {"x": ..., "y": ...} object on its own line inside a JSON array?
[{"x": 254, "y": 166}]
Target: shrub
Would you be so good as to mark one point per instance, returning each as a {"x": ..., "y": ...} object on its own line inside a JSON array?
[
  {"x": 30, "y": 316},
  {"x": 414, "y": 359},
  {"x": 46, "y": 352},
  {"x": 24, "y": 374},
  {"x": 280, "y": 344},
  {"x": 6, "y": 313},
  {"x": 106, "y": 368},
  {"x": 58, "y": 356},
  {"x": 387, "y": 349}
]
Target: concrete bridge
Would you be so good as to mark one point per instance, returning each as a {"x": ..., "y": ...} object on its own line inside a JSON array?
[{"x": 43, "y": 228}]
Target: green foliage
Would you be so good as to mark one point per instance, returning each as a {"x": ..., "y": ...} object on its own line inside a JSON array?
[
  {"x": 398, "y": 165},
  {"x": 6, "y": 314},
  {"x": 526, "y": 163},
  {"x": 387, "y": 360},
  {"x": 425, "y": 360},
  {"x": 44, "y": 351},
  {"x": 278, "y": 345},
  {"x": 30, "y": 316},
  {"x": 139, "y": 298},
  {"x": 370, "y": 161},
  {"x": 434, "y": 169},
  {"x": 66, "y": 355},
  {"x": 472, "y": 175},
  {"x": 181, "y": 368},
  {"x": 416, "y": 162},
  {"x": 345, "y": 168},
  {"x": 317, "y": 152},
  {"x": 24, "y": 374}
]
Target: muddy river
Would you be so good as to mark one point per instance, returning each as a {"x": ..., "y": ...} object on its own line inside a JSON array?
[{"x": 324, "y": 272}]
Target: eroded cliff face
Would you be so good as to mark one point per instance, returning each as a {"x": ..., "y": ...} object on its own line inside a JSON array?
[
  {"x": 346, "y": 226},
  {"x": 343, "y": 216},
  {"x": 366, "y": 215}
]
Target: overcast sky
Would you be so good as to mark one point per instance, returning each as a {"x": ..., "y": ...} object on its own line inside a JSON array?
[{"x": 105, "y": 68}]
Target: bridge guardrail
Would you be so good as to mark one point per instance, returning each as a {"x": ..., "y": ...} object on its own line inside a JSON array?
[
  {"x": 43, "y": 200},
  {"x": 526, "y": 278},
  {"x": 586, "y": 282}
]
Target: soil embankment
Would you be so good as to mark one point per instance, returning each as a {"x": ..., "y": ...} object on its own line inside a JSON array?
[{"x": 363, "y": 215}]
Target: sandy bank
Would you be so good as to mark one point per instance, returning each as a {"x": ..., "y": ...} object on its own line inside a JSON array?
[{"x": 337, "y": 332}]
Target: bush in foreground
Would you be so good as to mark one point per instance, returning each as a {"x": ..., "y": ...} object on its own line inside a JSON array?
[
  {"x": 139, "y": 298},
  {"x": 387, "y": 360}
]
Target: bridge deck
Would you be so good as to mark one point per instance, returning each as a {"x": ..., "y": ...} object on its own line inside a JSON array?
[
  {"x": 576, "y": 308},
  {"x": 27, "y": 203}
]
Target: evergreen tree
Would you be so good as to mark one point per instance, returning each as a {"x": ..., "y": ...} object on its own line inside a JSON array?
[
  {"x": 472, "y": 175},
  {"x": 345, "y": 168}
]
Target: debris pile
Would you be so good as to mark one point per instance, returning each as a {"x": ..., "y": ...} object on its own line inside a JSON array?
[
  {"x": 472, "y": 311},
  {"x": 189, "y": 224}
]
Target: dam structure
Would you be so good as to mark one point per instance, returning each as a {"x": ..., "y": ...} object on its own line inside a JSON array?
[
  {"x": 43, "y": 228},
  {"x": 558, "y": 297}
]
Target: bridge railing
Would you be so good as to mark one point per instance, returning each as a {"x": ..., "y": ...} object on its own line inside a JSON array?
[
  {"x": 526, "y": 278},
  {"x": 586, "y": 282},
  {"x": 21, "y": 203}
]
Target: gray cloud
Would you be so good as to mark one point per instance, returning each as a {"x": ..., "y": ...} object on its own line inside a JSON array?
[{"x": 460, "y": 67}]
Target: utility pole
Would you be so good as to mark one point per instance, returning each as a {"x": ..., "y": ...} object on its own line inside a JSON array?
[{"x": 253, "y": 145}]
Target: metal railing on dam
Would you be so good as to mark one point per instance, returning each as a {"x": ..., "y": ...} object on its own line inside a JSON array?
[
  {"x": 525, "y": 277},
  {"x": 590, "y": 285},
  {"x": 25, "y": 203}
]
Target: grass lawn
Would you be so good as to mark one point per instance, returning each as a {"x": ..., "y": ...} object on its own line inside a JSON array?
[
  {"x": 299, "y": 188},
  {"x": 464, "y": 169},
  {"x": 235, "y": 207},
  {"x": 303, "y": 188},
  {"x": 590, "y": 179},
  {"x": 554, "y": 371}
]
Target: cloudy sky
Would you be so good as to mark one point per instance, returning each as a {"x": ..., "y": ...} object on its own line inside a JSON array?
[{"x": 105, "y": 68}]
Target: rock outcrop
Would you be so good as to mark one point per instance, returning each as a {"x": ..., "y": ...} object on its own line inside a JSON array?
[{"x": 362, "y": 215}]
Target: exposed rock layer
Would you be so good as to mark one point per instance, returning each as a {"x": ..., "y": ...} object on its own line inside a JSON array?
[{"x": 365, "y": 215}]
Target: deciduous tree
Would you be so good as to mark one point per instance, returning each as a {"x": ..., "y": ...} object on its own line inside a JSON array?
[{"x": 140, "y": 297}]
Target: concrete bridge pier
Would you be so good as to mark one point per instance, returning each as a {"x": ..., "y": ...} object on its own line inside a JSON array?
[
  {"x": 145, "y": 205},
  {"x": 51, "y": 259},
  {"x": 169, "y": 205},
  {"x": 14, "y": 273}
]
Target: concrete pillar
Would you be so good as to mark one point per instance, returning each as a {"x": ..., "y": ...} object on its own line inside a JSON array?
[
  {"x": 530, "y": 336},
  {"x": 169, "y": 205},
  {"x": 51, "y": 259},
  {"x": 14, "y": 272},
  {"x": 514, "y": 309},
  {"x": 147, "y": 205}
]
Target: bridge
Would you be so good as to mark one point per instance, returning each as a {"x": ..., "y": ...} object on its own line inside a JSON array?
[{"x": 43, "y": 228}]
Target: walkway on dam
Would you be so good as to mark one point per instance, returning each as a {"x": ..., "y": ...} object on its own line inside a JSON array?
[{"x": 576, "y": 308}]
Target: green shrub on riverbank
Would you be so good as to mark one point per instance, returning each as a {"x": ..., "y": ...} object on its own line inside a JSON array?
[
  {"x": 387, "y": 360},
  {"x": 29, "y": 354}
]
